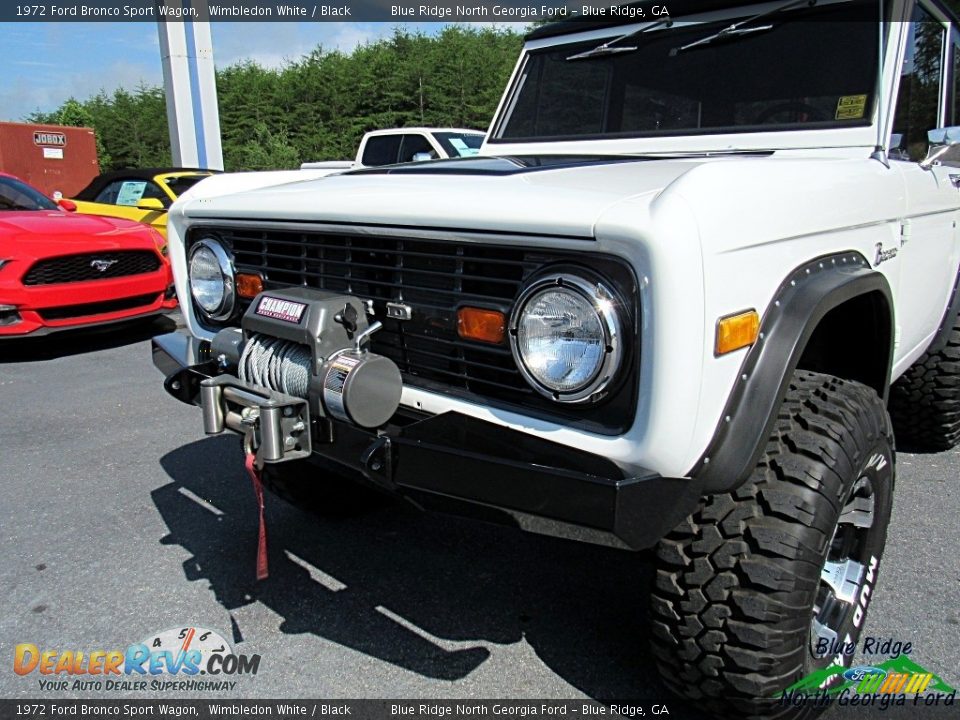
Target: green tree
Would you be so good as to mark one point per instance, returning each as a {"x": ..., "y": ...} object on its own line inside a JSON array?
[{"x": 265, "y": 149}]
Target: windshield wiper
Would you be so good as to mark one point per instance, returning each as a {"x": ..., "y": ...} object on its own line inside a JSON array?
[
  {"x": 737, "y": 29},
  {"x": 611, "y": 48}
]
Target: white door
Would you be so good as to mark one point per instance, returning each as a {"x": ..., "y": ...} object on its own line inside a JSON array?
[{"x": 928, "y": 252}]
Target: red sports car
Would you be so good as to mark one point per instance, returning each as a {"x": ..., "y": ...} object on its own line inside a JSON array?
[{"x": 61, "y": 270}]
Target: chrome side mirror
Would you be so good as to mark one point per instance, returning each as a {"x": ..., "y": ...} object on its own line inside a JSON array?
[{"x": 941, "y": 141}]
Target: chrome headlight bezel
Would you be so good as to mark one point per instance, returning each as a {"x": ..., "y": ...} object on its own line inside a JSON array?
[
  {"x": 225, "y": 263},
  {"x": 604, "y": 303}
]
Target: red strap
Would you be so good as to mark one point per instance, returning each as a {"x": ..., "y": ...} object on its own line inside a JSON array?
[{"x": 262, "y": 570}]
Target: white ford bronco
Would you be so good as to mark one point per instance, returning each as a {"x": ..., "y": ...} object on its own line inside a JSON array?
[{"x": 702, "y": 274}]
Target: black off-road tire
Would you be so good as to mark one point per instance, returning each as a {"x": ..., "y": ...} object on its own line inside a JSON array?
[
  {"x": 320, "y": 488},
  {"x": 925, "y": 400},
  {"x": 738, "y": 581}
]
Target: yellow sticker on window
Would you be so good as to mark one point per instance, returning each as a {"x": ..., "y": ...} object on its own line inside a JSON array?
[{"x": 851, "y": 107}]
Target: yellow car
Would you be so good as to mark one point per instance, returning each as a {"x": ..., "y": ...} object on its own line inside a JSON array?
[{"x": 141, "y": 195}]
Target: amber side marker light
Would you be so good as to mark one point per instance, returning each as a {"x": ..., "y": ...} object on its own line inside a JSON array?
[
  {"x": 737, "y": 331},
  {"x": 489, "y": 326},
  {"x": 248, "y": 285}
]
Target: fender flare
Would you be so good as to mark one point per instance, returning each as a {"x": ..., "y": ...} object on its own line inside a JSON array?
[{"x": 800, "y": 303}]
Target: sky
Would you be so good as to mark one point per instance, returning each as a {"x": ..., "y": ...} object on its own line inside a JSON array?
[{"x": 46, "y": 63}]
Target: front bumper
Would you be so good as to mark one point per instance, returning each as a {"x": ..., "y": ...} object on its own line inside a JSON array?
[
  {"x": 43, "y": 309},
  {"x": 459, "y": 464}
]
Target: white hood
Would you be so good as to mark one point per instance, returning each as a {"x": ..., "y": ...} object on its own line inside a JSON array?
[{"x": 566, "y": 200}]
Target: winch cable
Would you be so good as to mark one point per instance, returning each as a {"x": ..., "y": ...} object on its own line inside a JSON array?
[
  {"x": 282, "y": 366},
  {"x": 276, "y": 364}
]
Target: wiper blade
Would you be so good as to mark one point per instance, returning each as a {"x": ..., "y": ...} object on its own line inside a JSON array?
[
  {"x": 723, "y": 34},
  {"x": 611, "y": 48},
  {"x": 737, "y": 29}
]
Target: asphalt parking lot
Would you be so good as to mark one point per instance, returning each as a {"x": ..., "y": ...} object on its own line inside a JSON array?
[{"x": 121, "y": 519}]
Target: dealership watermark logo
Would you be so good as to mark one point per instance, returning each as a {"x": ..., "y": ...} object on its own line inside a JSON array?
[
  {"x": 895, "y": 681},
  {"x": 172, "y": 660}
]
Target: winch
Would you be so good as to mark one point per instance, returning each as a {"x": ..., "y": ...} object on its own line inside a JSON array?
[{"x": 299, "y": 354}]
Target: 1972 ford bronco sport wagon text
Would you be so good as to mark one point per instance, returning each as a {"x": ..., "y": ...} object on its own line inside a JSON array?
[{"x": 707, "y": 272}]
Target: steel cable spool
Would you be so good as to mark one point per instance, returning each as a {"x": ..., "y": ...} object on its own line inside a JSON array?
[{"x": 277, "y": 364}]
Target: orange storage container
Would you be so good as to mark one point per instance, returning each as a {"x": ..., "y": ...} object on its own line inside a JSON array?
[{"x": 49, "y": 157}]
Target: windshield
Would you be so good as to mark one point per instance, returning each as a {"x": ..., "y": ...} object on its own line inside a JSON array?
[
  {"x": 460, "y": 144},
  {"x": 179, "y": 185},
  {"x": 809, "y": 68},
  {"x": 16, "y": 195}
]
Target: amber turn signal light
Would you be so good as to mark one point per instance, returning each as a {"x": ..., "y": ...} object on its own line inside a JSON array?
[
  {"x": 737, "y": 331},
  {"x": 249, "y": 285},
  {"x": 489, "y": 326}
]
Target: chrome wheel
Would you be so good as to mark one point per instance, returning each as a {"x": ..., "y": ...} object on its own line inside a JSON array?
[{"x": 842, "y": 574}]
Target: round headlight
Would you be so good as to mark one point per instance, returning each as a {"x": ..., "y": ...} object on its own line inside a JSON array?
[
  {"x": 565, "y": 336},
  {"x": 211, "y": 279}
]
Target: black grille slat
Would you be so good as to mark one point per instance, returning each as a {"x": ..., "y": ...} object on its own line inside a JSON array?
[
  {"x": 468, "y": 381},
  {"x": 351, "y": 283},
  {"x": 392, "y": 268},
  {"x": 80, "y": 268},
  {"x": 471, "y": 363},
  {"x": 491, "y": 349}
]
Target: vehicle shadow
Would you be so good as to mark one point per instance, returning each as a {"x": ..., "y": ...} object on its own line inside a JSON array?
[
  {"x": 83, "y": 340},
  {"x": 423, "y": 592}
]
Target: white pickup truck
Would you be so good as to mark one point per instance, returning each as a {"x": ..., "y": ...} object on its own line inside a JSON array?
[
  {"x": 700, "y": 273},
  {"x": 402, "y": 145}
]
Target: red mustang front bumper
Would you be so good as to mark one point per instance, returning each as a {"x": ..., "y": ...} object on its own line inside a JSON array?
[{"x": 39, "y": 309}]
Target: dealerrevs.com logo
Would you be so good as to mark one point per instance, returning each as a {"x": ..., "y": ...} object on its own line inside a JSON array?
[{"x": 171, "y": 660}]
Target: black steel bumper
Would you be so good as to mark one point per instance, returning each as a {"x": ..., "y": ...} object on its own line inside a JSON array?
[{"x": 459, "y": 464}]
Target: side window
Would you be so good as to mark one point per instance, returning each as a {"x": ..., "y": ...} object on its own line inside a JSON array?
[
  {"x": 918, "y": 102},
  {"x": 413, "y": 145},
  {"x": 109, "y": 194},
  {"x": 381, "y": 150},
  {"x": 130, "y": 192}
]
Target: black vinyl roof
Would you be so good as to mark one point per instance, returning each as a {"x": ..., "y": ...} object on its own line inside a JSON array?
[{"x": 90, "y": 192}]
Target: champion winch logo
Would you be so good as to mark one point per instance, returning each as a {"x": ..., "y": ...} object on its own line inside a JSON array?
[
  {"x": 285, "y": 310},
  {"x": 102, "y": 265}
]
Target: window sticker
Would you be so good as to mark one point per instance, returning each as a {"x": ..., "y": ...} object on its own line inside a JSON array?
[
  {"x": 851, "y": 107},
  {"x": 131, "y": 192}
]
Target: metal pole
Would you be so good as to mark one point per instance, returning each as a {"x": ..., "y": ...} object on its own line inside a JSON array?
[{"x": 190, "y": 86}]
